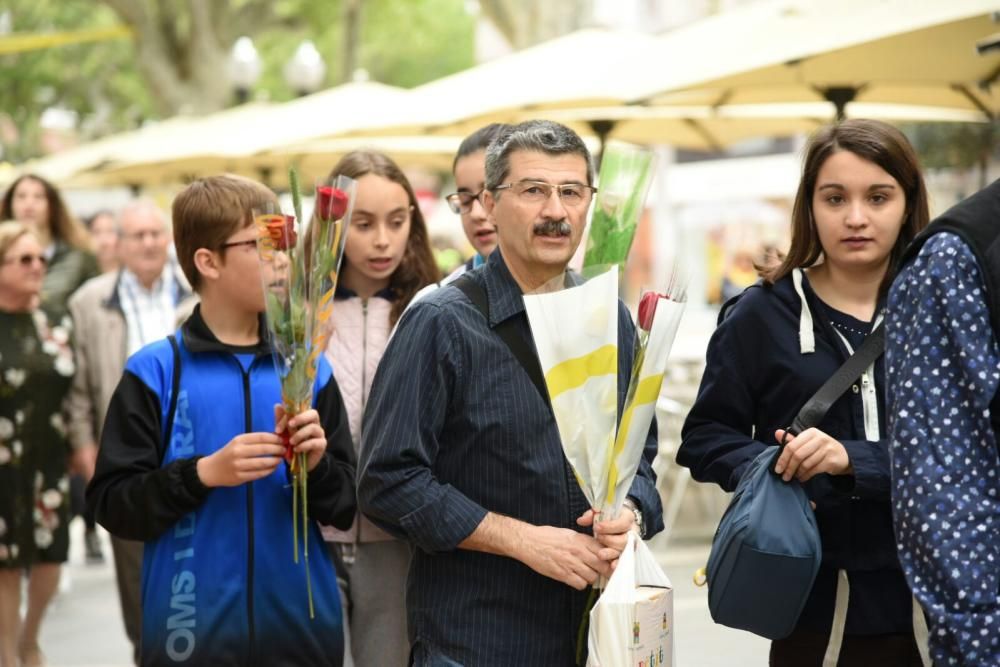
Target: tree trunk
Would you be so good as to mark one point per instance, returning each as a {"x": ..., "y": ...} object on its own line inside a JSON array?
[
  {"x": 185, "y": 68},
  {"x": 352, "y": 39}
]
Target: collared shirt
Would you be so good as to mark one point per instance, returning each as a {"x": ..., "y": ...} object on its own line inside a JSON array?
[
  {"x": 150, "y": 314},
  {"x": 455, "y": 428},
  {"x": 944, "y": 370}
]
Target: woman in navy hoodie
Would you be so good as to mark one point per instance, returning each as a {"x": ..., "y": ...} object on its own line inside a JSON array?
[{"x": 860, "y": 201}]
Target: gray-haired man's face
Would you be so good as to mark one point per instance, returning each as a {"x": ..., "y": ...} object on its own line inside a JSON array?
[
  {"x": 144, "y": 243},
  {"x": 539, "y": 236}
]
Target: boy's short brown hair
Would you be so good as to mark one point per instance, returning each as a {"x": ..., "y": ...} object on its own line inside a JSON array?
[{"x": 209, "y": 211}]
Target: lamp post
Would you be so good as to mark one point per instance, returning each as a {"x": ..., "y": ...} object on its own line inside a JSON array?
[
  {"x": 305, "y": 72},
  {"x": 244, "y": 68}
]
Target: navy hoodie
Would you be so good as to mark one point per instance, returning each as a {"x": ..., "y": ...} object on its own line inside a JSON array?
[{"x": 756, "y": 379}]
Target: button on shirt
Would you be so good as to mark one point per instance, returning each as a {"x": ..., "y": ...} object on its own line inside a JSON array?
[
  {"x": 149, "y": 313},
  {"x": 454, "y": 428},
  {"x": 942, "y": 363}
]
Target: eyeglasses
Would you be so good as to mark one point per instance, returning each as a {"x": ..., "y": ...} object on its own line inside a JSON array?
[
  {"x": 538, "y": 192},
  {"x": 233, "y": 244},
  {"x": 461, "y": 202},
  {"x": 153, "y": 234},
  {"x": 27, "y": 260}
]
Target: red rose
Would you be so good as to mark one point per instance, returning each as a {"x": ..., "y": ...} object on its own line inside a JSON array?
[
  {"x": 331, "y": 203},
  {"x": 647, "y": 310},
  {"x": 281, "y": 230}
]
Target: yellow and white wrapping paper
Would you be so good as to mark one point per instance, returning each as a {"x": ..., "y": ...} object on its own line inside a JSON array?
[{"x": 576, "y": 335}]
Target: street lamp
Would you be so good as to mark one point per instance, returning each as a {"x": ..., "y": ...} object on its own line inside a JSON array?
[
  {"x": 305, "y": 72},
  {"x": 244, "y": 68}
]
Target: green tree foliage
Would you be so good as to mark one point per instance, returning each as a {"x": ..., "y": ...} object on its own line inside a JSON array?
[
  {"x": 93, "y": 79},
  {"x": 176, "y": 61}
]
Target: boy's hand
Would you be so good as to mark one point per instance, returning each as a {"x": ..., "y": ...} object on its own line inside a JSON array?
[
  {"x": 307, "y": 436},
  {"x": 246, "y": 457}
]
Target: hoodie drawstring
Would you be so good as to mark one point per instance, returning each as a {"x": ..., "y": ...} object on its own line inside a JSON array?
[{"x": 807, "y": 340}]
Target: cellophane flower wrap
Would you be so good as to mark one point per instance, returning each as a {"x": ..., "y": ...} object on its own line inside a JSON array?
[
  {"x": 623, "y": 183},
  {"x": 299, "y": 268},
  {"x": 659, "y": 316}
]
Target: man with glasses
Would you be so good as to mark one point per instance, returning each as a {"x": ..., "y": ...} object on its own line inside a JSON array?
[
  {"x": 469, "y": 169},
  {"x": 114, "y": 315},
  {"x": 461, "y": 454}
]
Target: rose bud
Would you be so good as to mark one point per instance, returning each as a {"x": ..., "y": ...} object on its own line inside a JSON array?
[
  {"x": 281, "y": 229},
  {"x": 331, "y": 203},
  {"x": 647, "y": 310}
]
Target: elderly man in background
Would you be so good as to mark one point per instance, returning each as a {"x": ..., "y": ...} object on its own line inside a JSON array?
[
  {"x": 115, "y": 315},
  {"x": 461, "y": 454}
]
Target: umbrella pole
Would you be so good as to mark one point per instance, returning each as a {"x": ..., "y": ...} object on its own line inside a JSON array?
[
  {"x": 602, "y": 128},
  {"x": 839, "y": 96}
]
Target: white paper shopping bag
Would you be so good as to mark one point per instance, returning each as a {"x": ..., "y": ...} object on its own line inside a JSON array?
[{"x": 632, "y": 624}]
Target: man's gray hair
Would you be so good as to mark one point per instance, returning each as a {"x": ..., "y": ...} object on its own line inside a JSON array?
[
  {"x": 140, "y": 206},
  {"x": 543, "y": 136}
]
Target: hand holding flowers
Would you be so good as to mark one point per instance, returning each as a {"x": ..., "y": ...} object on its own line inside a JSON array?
[{"x": 299, "y": 266}]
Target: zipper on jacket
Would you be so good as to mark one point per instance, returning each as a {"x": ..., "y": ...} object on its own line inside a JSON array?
[
  {"x": 869, "y": 395},
  {"x": 364, "y": 356},
  {"x": 247, "y": 428},
  {"x": 869, "y": 404},
  {"x": 364, "y": 379}
]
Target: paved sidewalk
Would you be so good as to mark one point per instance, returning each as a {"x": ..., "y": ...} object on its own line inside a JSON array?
[{"x": 84, "y": 627}]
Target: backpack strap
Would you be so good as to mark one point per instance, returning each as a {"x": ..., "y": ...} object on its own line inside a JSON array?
[
  {"x": 815, "y": 409},
  {"x": 508, "y": 333},
  {"x": 175, "y": 387}
]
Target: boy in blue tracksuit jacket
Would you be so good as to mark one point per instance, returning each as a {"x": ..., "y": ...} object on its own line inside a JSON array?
[{"x": 190, "y": 463}]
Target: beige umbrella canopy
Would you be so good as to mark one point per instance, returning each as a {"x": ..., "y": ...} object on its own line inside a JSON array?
[
  {"x": 582, "y": 68},
  {"x": 915, "y": 52},
  {"x": 250, "y": 139},
  {"x": 70, "y": 168},
  {"x": 708, "y": 128},
  {"x": 313, "y": 160},
  {"x": 767, "y": 52}
]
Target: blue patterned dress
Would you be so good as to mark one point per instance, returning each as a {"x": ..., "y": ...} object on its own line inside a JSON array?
[{"x": 944, "y": 369}]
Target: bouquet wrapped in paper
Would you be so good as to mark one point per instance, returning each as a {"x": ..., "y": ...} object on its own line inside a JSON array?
[
  {"x": 576, "y": 335},
  {"x": 580, "y": 361},
  {"x": 299, "y": 266},
  {"x": 580, "y": 364}
]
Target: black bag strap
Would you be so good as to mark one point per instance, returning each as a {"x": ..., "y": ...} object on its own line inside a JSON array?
[
  {"x": 175, "y": 387},
  {"x": 815, "y": 409},
  {"x": 507, "y": 331}
]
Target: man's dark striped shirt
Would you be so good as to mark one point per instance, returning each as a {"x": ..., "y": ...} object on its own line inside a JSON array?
[{"x": 454, "y": 428}]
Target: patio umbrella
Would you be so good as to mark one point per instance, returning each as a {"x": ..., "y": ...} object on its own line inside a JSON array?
[
  {"x": 68, "y": 168},
  {"x": 915, "y": 52},
  {"x": 237, "y": 140},
  {"x": 313, "y": 160},
  {"x": 576, "y": 70},
  {"x": 715, "y": 128}
]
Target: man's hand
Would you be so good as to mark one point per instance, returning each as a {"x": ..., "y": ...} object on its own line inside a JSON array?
[
  {"x": 307, "y": 434},
  {"x": 564, "y": 555},
  {"x": 84, "y": 460},
  {"x": 245, "y": 458},
  {"x": 611, "y": 533},
  {"x": 810, "y": 453}
]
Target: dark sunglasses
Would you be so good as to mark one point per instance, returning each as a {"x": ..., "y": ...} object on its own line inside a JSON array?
[{"x": 28, "y": 260}]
